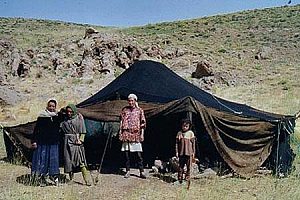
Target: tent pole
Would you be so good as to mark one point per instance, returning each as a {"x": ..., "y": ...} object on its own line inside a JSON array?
[
  {"x": 189, "y": 115},
  {"x": 277, "y": 151},
  {"x": 103, "y": 155}
]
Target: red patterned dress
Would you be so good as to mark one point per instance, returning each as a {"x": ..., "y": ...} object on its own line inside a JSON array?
[{"x": 132, "y": 122}]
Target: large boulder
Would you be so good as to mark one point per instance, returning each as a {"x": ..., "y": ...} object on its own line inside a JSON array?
[
  {"x": 8, "y": 96},
  {"x": 203, "y": 69},
  {"x": 89, "y": 32}
]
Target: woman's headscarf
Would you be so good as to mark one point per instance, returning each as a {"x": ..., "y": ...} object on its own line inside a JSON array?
[
  {"x": 46, "y": 112},
  {"x": 75, "y": 125},
  {"x": 74, "y": 109},
  {"x": 133, "y": 96}
]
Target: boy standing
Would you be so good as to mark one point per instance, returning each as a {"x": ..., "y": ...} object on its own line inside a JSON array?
[{"x": 185, "y": 149}]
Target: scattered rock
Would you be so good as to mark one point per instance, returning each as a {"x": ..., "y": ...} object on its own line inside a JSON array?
[
  {"x": 89, "y": 32},
  {"x": 203, "y": 69},
  {"x": 208, "y": 173},
  {"x": 23, "y": 68},
  {"x": 2, "y": 74},
  {"x": 229, "y": 175},
  {"x": 154, "y": 51},
  {"x": 263, "y": 53},
  {"x": 30, "y": 53},
  {"x": 15, "y": 57}
]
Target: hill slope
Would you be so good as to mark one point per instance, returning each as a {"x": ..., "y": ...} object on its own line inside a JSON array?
[{"x": 253, "y": 56}]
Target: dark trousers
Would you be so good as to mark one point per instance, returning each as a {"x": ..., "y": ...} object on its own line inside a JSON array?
[
  {"x": 139, "y": 159},
  {"x": 184, "y": 160}
]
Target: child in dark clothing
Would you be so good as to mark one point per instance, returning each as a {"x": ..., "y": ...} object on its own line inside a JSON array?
[{"x": 185, "y": 149}]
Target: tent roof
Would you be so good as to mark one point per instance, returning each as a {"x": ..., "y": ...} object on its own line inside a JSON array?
[{"x": 154, "y": 82}]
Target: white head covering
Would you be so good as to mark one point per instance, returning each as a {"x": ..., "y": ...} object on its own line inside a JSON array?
[
  {"x": 46, "y": 112},
  {"x": 132, "y": 96},
  {"x": 52, "y": 99}
]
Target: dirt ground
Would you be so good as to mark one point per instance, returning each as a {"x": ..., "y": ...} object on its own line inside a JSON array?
[
  {"x": 110, "y": 186},
  {"x": 114, "y": 186}
]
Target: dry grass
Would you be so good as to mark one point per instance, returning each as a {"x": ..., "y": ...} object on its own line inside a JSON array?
[{"x": 276, "y": 100}]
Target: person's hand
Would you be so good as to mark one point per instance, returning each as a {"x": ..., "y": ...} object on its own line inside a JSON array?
[
  {"x": 142, "y": 135},
  {"x": 78, "y": 141},
  {"x": 34, "y": 145},
  {"x": 193, "y": 158}
]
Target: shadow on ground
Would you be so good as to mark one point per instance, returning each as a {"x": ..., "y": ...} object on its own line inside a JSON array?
[
  {"x": 30, "y": 180},
  {"x": 165, "y": 177}
]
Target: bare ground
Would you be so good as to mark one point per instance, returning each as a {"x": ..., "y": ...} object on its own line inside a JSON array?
[{"x": 116, "y": 187}]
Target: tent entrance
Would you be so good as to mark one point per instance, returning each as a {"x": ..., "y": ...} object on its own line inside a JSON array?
[{"x": 102, "y": 145}]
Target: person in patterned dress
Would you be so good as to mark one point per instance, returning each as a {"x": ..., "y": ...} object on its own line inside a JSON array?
[{"x": 131, "y": 134}]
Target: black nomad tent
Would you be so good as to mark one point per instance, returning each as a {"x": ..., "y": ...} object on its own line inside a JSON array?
[{"x": 240, "y": 137}]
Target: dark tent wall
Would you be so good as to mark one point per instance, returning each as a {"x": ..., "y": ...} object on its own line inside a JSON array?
[
  {"x": 17, "y": 141},
  {"x": 244, "y": 143}
]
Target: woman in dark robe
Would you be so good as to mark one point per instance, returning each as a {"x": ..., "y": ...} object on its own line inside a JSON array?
[
  {"x": 45, "y": 142},
  {"x": 74, "y": 131}
]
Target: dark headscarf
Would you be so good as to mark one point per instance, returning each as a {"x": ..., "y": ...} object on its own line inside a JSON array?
[
  {"x": 74, "y": 109},
  {"x": 74, "y": 125}
]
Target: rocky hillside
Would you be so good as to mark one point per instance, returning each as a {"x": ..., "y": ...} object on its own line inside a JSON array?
[{"x": 251, "y": 57}]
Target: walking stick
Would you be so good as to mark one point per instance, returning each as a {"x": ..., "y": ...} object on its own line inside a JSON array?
[
  {"x": 192, "y": 157},
  {"x": 102, "y": 158},
  {"x": 191, "y": 170}
]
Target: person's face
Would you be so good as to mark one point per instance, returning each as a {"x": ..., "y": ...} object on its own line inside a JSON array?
[
  {"x": 185, "y": 127},
  {"x": 131, "y": 102},
  {"x": 51, "y": 106},
  {"x": 69, "y": 112}
]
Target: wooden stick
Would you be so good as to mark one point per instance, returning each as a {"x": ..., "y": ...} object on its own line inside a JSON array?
[
  {"x": 189, "y": 181},
  {"x": 297, "y": 114}
]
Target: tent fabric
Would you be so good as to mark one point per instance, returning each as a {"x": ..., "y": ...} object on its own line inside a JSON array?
[
  {"x": 244, "y": 143},
  {"x": 243, "y": 136},
  {"x": 17, "y": 140}
]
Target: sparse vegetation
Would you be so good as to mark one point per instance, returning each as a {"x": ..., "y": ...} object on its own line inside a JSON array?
[{"x": 118, "y": 72}]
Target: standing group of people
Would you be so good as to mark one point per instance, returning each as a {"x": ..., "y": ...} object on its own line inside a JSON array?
[
  {"x": 132, "y": 126},
  {"x": 46, "y": 137},
  {"x": 70, "y": 124}
]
